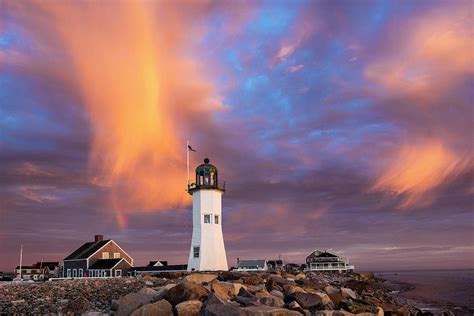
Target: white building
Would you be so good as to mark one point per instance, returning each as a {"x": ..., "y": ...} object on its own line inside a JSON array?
[
  {"x": 251, "y": 265},
  {"x": 327, "y": 260},
  {"x": 207, "y": 252}
]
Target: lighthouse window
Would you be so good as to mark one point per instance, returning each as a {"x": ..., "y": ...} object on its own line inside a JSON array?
[
  {"x": 207, "y": 219},
  {"x": 212, "y": 177},
  {"x": 216, "y": 219},
  {"x": 196, "y": 252}
]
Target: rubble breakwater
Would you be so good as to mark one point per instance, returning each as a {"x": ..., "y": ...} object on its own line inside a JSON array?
[{"x": 224, "y": 293}]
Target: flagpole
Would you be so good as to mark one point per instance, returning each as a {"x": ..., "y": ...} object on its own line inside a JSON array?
[{"x": 187, "y": 159}]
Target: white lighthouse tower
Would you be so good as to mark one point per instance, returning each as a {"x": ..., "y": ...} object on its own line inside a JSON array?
[{"x": 207, "y": 251}]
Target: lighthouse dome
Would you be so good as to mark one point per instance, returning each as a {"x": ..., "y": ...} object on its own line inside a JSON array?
[{"x": 206, "y": 177}]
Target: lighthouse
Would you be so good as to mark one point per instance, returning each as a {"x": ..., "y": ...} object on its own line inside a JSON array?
[{"x": 207, "y": 252}]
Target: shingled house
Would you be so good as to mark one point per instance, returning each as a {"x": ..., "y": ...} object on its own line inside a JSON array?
[{"x": 100, "y": 258}]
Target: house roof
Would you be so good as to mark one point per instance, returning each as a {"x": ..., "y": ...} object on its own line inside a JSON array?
[
  {"x": 50, "y": 265},
  {"x": 105, "y": 264},
  {"x": 251, "y": 263},
  {"x": 86, "y": 250},
  {"x": 175, "y": 267}
]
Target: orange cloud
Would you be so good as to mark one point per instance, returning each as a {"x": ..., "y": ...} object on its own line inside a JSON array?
[
  {"x": 416, "y": 170},
  {"x": 433, "y": 50},
  {"x": 140, "y": 91}
]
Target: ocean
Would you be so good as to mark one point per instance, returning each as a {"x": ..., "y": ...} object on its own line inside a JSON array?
[{"x": 437, "y": 288}]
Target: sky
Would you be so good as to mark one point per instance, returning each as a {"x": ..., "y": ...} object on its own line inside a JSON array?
[{"x": 344, "y": 125}]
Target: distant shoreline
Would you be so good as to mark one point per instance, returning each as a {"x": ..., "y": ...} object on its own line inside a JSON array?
[{"x": 405, "y": 291}]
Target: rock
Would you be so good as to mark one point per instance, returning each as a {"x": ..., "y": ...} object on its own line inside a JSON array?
[
  {"x": 332, "y": 313},
  {"x": 368, "y": 276},
  {"x": 331, "y": 290},
  {"x": 201, "y": 277},
  {"x": 252, "y": 280},
  {"x": 262, "y": 293},
  {"x": 272, "y": 301},
  {"x": 300, "y": 276},
  {"x": 279, "y": 280},
  {"x": 18, "y": 302},
  {"x": 277, "y": 294},
  {"x": 162, "y": 308},
  {"x": 186, "y": 291},
  {"x": 246, "y": 301},
  {"x": 348, "y": 293},
  {"x": 78, "y": 305},
  {"x": 306, "y": 300},
  {"x": 149, "y": 283},
  {"x": 269, "y": 311},
  {"x": 130, "y": 302},
  {"x": 295, "y": 306},
  {"x": 294, "y": 289},
  {"x": 226, "y": 290},
  {"x": 189, "y": 308},
  {"x": 358, "y": 307},
  {"x": 215, "y": 306},
  {"x": 325, "y": 300}
]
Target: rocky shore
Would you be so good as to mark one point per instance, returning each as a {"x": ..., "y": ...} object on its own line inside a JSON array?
[{"x": 224, "y": 293}]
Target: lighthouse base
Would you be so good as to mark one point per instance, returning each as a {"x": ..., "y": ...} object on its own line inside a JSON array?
[{"x": 207, "y": 251}]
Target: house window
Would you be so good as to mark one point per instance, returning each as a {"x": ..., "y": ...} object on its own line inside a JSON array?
[
  {"x": 74, "y": 273},
  {"x": 68, "y": 273},
  {"x": 81, "y": 273},
  {"x": 196, "y": 251},
  {"x": 118, "y": 273},
  {"x": 116, "y": 255},
  {"x": 216, "y": 219},
  {"x": 207, "y": 219},
  {"x": 105, "y": 255}
]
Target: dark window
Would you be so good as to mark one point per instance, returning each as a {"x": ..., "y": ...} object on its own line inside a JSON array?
[
  {"x": 216, "y": 219},
  {"x": 196, "y": 251},
  {"x": 207, "y": 219}
]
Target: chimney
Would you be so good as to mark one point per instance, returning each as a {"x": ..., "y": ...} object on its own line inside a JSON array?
[{"x": 98, "y": 238}]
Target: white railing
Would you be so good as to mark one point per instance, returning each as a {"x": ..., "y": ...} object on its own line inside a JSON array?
[{"x": 312, "y": 268}]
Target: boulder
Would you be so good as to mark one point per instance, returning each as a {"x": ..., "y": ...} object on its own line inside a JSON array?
[
  {"x": 331, "y": 290},
  {"x": 246, "y": 300},
  {"x": 325, "y": 300},
  {"x": 215, "y": 306},
  {"x": 306, "y": 300},
  {"x": 272, "y": 301},
  {"x": 223, "y": 289},
  {"x": 293, "y": 289},
  {"x": 262, "y": 293},
  {"x": 252, "y": 280},
  {"x": 269, "y": 311},
  {"x": 277, "y": 294},
  {"x": 201, "y": 277},
  {"x": 300, "y": 276},
  {"x": 368, "y": 276},
  {"x": 358, "y": 307},
  {"x": 279, "y": 280},
  {"x": 130, "y": 302},
  {"x": 186, "y": 291},
  {"x": 332, "y": 313},
  {"x": 189, "y": 308},
  {"x": 348, "y": 293},
  {"x": 229, "y": 276},
  {"x": 162, "y": 308}
]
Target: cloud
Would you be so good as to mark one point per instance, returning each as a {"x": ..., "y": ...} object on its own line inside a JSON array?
[
  {"x": 141, "y": 92},
  {"x": 416, "y": 170}
]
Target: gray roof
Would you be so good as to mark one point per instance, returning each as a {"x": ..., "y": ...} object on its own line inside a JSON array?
[
  {"x": 86, "y": 250},
  {"x": 251, "y": 263}
]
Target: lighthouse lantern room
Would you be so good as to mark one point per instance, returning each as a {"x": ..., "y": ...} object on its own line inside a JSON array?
[{"x": 207, "y": 252}]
